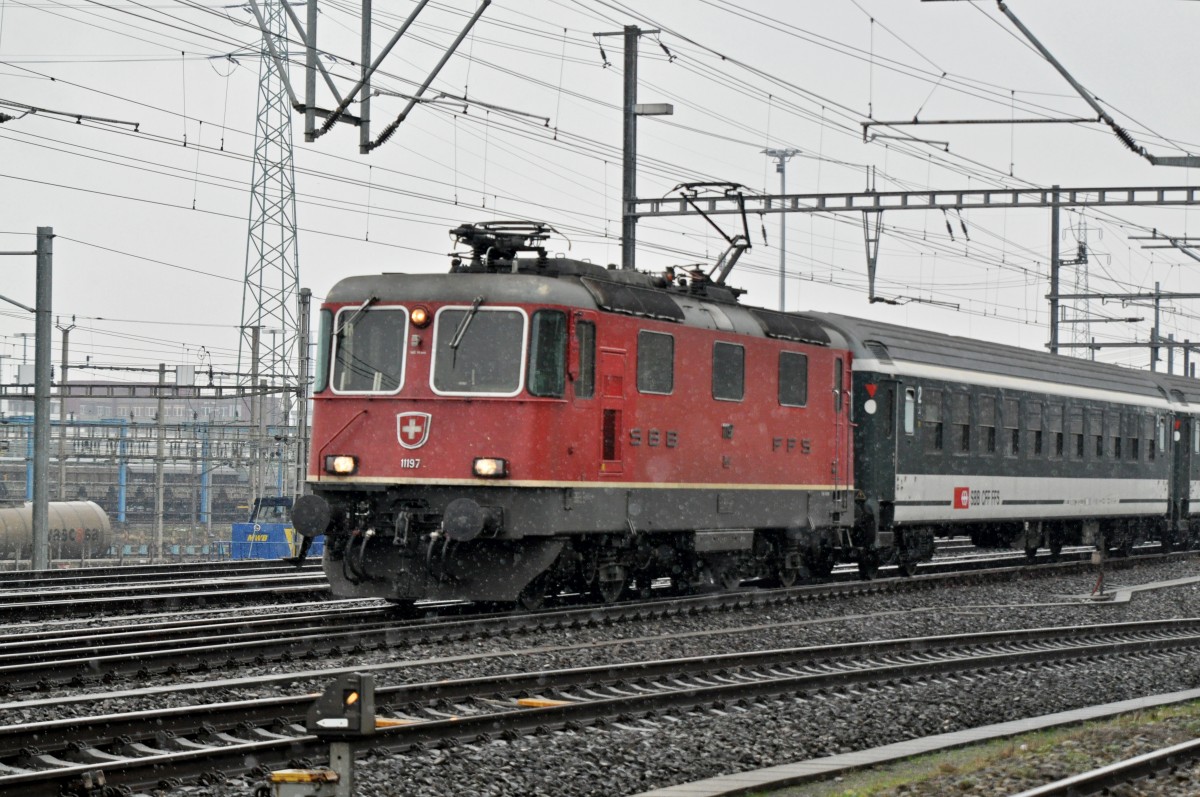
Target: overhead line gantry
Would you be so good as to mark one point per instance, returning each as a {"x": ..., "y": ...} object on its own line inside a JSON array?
[{"x": 872, "y": 204}]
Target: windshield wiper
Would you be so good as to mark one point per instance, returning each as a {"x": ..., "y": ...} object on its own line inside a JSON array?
[
  {"x": 354, "y": 316},
  {"x": 466, "y": 322}
]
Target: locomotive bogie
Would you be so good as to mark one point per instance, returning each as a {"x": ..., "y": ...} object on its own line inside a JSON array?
[{"x": 405, "y": 544}]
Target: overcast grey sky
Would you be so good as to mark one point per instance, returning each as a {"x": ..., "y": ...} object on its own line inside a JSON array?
[{"x": 152, "y": 233}]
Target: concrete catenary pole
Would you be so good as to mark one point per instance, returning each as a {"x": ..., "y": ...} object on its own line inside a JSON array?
[
  {"x": 1055, "y": 265},
  {"x": 255, "y": 417},
  {"x": 629, "y": 162},
  {"x": 40, "y": 558},
  {"x": 160, "y": 434},
  {"x": 62, "y": 412},
  {"x": 303, "y": 335}
]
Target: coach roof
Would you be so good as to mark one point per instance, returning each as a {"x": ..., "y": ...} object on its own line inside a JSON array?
[{"x": 895, "y": 346}]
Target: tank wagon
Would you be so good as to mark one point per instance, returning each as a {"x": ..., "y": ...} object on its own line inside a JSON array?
[
  {"x": 77, "y": 528},
  {"x": 527, "y": 424}
]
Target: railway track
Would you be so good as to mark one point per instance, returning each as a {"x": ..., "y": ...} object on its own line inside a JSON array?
[
  {"x": 150, "y": 748},
  {"x": 77, "y": 592},
  {"x": 46, "y": 658},
  {"x": 110, "y": 574},
  {"x": 145, "y": 588},
  {"x": 1109, "y": 779}
]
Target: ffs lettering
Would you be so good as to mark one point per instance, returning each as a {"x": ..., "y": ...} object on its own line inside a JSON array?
[{"x": 791, "y": 444}]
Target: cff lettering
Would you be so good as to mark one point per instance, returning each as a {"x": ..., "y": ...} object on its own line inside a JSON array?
[
  {"x": 790, "y": 444},
  {"x": 654, "y": 437},
  {"x": 965, "y": 498}
]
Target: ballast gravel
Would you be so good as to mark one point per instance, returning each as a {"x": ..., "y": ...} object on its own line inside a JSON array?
[{"x": 669, "y": 749}]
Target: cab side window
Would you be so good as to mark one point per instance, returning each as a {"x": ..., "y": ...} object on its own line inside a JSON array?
[
  {"x": 793, "y": 379},
  {"x": 585, "y": 342},
  {"x": 548, "y": 354},
  {"x": 655, "y": 363},
  {"x": 728, "y": 371}
]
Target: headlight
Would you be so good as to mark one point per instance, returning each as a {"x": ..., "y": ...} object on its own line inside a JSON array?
[
  {"x": 341, "y": 464},
  {"x": 419, "y": 317},
  {"x": 490, "y": 467}
]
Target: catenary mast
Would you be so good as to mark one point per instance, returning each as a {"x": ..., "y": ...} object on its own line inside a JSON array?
[{"x": 271, "y": 288}]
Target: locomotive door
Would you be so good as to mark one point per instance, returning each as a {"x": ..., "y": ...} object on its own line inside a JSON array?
[{"x": 612, "y": 408}]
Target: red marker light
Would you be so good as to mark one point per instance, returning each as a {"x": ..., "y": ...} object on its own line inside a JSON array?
[{"x": 871, "y": 389}]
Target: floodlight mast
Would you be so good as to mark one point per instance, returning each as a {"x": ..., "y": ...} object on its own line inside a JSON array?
[{"x": 782, "y": 156}]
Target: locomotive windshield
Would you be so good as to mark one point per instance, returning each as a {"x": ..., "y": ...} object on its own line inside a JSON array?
[
  {"x": 481, "y": 356},
  {"x": 369, "y": 350}
]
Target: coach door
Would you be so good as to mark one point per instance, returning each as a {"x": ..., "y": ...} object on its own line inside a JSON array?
[
  {"x": 841, "y": 425},
  {"x": 1186, "y": 439},
  {"x": 612, "y": 408}
]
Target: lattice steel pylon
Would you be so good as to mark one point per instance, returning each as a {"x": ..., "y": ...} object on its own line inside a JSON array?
[{"x": 272, "y": 281}]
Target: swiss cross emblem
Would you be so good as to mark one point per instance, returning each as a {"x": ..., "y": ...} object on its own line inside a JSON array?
[
  {"x": 962, "y": 497},
  {"x": 412, "y": 428}
]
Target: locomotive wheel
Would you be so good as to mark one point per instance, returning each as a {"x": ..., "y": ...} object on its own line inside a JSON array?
[
  {"x": 1031, "y": 553},
  {"x": 907, "y": 568},
  {"x": 642, "y": 587},
  {"x": 868, "y": 565},
  {"x": 403, "y": 608},
  {"x": 821, "y": 566},
  {"x": 786, "y": 576},
  {"x": 1056, "y": 547},
  {"x": 533, "y": 597},
  {"x": 682, "y": 584},
  {"x": 609, "y": 591}
]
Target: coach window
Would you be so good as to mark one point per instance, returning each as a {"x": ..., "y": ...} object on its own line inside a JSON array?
[
  {"x": 1131, "y": 423},
  {"x": 1075, "y": 429},
  {"x": 793, "y": 379},
  {"x": 987, "y": 423},
  {"x": 728, "y": 371},
  {"x": 1112, "y": 422},
  {"x": 1095, "y": 431},
  {"x": 1033, "y": 422},
  {"x": 960, "y": 421},
  {"x": 910, "y": 410},
  {"x": 1195, "y": 435},
  {"x": 656, "y": 363},
  {"x": 931, "y": 420},
  {"x": 1012, "y": 430},
  {"x": 1160, "y": 436},
  {"x": 369, "y": 345},
  {"x": 1054, "y": 427},
  {"x": 585, "y": 378},
  {"x": 548, "y": 354}
]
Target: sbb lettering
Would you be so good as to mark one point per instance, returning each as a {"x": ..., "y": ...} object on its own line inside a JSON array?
[{"x": 654, "y": 437}]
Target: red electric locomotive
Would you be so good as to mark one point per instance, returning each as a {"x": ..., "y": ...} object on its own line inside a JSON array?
[{"x": 525, "y": 425}]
